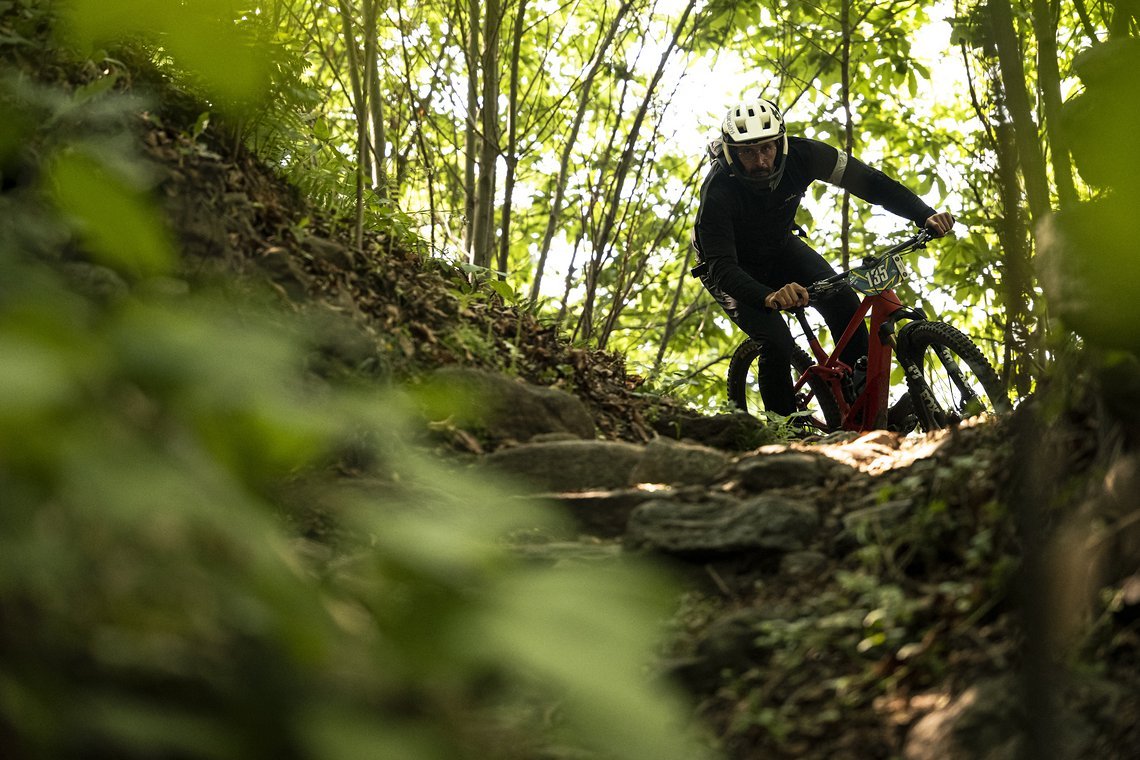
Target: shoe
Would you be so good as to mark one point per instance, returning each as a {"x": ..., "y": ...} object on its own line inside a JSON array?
[
  {"x": 858, "y": 379},
  {"x": 900, "y": 416},
  {"x": 854, "y": 384}
]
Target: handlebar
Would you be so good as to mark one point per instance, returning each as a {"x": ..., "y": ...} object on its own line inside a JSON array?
[{"x": 913, "y": 243}]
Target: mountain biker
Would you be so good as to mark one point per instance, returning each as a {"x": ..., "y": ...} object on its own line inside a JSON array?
[{"x": 748, "y": 257}]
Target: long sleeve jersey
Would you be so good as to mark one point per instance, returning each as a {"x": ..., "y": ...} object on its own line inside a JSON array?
[{"x": 738, "y": 225}]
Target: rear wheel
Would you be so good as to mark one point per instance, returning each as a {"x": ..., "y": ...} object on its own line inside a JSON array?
[
  {"x": 814, "y": 397},
  {"x": 948, "y": 376}
]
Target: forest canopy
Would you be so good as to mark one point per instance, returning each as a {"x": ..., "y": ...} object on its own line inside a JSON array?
[{"x": 557, "y": 148}]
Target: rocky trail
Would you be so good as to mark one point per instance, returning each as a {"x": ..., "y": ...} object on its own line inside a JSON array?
[{"x": 828, "y": 534}]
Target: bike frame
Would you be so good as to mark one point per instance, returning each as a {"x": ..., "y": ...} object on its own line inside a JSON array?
[{"x": 868, "y": 411}]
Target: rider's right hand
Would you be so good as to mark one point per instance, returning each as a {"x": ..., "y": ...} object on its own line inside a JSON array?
[
  {"x": 940, "y": 223},
  {"x": 791, "y": 296}
]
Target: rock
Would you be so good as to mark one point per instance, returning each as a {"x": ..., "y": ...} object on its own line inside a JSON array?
[
  {"x": 330, "y": 251},
  {"x": 738, "y": 431},
  {"x": 676, "y": 463},
  {"x": 283, "y": 268},
  {"x": 722, "y": 525},
  {"x": 567, "y": 552},
  {"x": 759, "y": 473},
  {"x": 509, "y": 409},
  {"x": 982, "y": 722},
  {"x": 886, "y": 515},
  {"x": 553, "y": 437},
  {"x": 569, "y": 465},
  {"x": 602, "y": 513},
  {"x": 868, "y": 525},
  {"x": 97, "y": 282},
  {"x": 1119, "y": 506},
  {"x": 340, "y": 344}
]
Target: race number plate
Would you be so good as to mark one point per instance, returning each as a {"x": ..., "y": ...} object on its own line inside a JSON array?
[{"x": 871, "y": 280}]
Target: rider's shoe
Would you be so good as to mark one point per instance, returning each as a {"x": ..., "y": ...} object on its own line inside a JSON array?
[
  {"x": 901, "y": 417},
  {"x": 858, "y": 379}
]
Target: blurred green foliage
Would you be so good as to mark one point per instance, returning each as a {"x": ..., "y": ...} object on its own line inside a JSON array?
[
  {"x": 164, "y": 454},
  {"x": 1090, "y": 269},
  {"x": 202, "y": 38},
  {"x": 119, "y": 225}
]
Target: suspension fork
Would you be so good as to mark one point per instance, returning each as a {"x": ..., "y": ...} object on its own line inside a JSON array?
[{"x": 956, "y": 375}]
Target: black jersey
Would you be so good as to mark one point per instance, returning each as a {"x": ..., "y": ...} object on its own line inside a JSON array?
[{"x": 739, "y": 225}]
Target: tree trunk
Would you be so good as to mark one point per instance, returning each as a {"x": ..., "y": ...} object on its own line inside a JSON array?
[
  {"x": 1015, "y": 281},
  {"x": 375, "y": 101},
  {"x": 1017, "y": 102},
  {"x": 512, "y": 138},
  {"x": 671, "y": 320},
  {"x": 360, "y": 110},
  {"x": 470, "y": 137},
  {"x": 848, "y": 129},
  {"x": 1086, "y": 22},
  {"x": 627, "y": 281},
  {"x": 603, "y": 242},
  {"x": 484, "y": 233},
  {"x": 1049, "y": 84},
  {"x": 1121, "y": 23}
]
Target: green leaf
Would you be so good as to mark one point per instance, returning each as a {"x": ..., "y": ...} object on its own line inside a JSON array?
[
  {"x": 118, "y": 223},
  {"x": 503, "y": 289},
  {"x": 200, "y": 125},
  {"x": 201, "y": 36}
]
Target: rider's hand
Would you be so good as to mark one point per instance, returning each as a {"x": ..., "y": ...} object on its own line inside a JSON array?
[
  {"x": 790, "y": 296},
  {"x": 940, "y": 223}
]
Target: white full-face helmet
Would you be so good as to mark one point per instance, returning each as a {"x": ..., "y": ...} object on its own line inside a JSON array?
[{"x": 753, "y": 123}]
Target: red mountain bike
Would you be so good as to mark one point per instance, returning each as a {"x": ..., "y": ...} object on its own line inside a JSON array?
[{"x": 948, "y": 378}]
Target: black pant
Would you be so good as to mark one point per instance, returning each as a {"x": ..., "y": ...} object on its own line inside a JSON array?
[{"x": 795, "y": 261}]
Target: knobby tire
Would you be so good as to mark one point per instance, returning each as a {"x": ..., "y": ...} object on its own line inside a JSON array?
[{"x": 938, "y": 399}]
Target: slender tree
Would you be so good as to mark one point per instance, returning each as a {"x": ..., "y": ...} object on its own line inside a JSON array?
[
  {"x": 379, "y": 139},
  {"x": 482, "y": 251},
  {"x": 512, "y": 147},
  {"x": 584, "y": 96},
  {"x": 1049, "y": 85},
  {"x": 848, "y": 126},
  {"x": 360, "y": 109},
  {"x": 1016, "y": 100},
  {"x": 470, "y": 127}
]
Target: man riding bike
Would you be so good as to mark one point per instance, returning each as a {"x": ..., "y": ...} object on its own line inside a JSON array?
[{"x": 749, "y": 258}]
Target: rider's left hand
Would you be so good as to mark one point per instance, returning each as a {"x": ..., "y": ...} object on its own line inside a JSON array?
[{"x": 940, "y": 223}]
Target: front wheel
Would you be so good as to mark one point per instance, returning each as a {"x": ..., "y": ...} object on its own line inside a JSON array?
[
  {"x": 948, "y": 377},
  {"x": 814, "y": 397}
]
